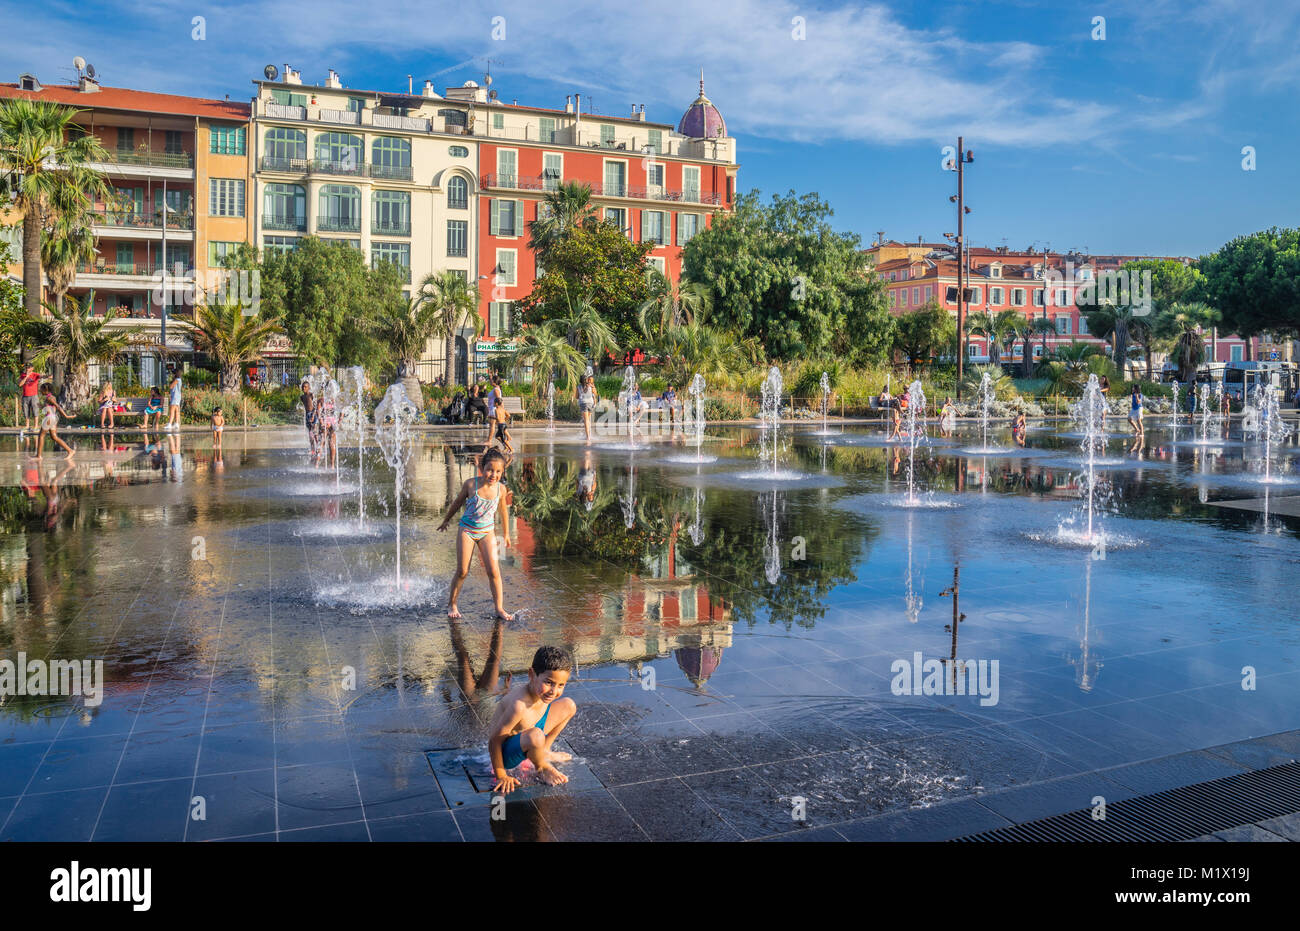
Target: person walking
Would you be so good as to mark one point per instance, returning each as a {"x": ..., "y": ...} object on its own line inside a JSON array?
[
  {"x": 587, "y": 402},
  {"x": 30, "y": 382},
  {"x": 174, "y": 403}
]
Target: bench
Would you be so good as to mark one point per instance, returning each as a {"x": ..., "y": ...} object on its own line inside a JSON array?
[
  {"x": 514, "y": 406},
  {"x": 134, "y": 408},
  {"x": 658, "y": 409}
]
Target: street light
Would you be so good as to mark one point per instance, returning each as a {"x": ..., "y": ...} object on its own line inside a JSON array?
[{"x": 964, "y": 157}]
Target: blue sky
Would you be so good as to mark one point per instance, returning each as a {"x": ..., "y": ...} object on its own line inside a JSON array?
[{"x": 1131, "y": 143}]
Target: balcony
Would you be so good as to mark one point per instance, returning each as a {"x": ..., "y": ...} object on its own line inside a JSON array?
[
  {"x": 653, "y": 192},
  {"x": 342, "y": 117},
  {"x": 281, "y": 111},
  {"x": 391, "y": 172},
  {"x": 326, "y": 166},
  {"x": 152, "y": 159},
  {"x": 411, "y": 123},
  {"x": 284, "y": 221},
  {"x": 297, "y": 166},
  {"x": 390, "y": 227},
  {"x": 128, "y": 219},
  {"x": 137, "y": 269},
  {"x": 338, "y": 224}
]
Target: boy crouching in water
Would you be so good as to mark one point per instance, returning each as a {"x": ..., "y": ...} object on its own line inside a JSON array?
[{"x": 523, "y": 729}]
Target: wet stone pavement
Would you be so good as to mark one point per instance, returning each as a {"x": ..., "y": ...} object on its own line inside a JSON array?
[{"x": 755, "y": 659}]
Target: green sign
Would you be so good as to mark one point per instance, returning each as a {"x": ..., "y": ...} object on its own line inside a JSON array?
[{"x": 495, "y": 346}]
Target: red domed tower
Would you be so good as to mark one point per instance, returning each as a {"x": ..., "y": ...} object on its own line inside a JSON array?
[{"x": 702, "y": 119}]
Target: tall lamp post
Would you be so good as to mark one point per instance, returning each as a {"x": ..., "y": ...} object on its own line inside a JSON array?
[{"x": 964, "y": 157}]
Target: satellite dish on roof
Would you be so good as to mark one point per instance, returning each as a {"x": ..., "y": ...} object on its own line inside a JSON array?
[
  {"x": 271, "y": 72},
  {"x": 90, "y": 71},
  {"x": 492, "y": 95},
  {"x": 79, "y": 63}
]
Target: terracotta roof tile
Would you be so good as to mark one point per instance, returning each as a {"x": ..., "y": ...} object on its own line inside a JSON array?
[{"x": 121, "y": 98}]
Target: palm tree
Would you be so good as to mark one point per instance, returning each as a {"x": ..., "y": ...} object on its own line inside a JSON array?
[
  {"x": 405, "y": 328},
  {"x": 981, "y": 324},
  {"x": 584, "y": 328},
  {"x": 456, "y": 302},
  {"x": 672, "y": 304},
  {"x": 1043, "y": 328},
  {"x": 1117, "y": 321},
  {"x": 1003, "y": 387},
  {"x": 44, "y": 165},
  {"x": 550, "y": 356},
  {"x": 72, "y": 337},
  {"x": 1180, "y": 330},
  {"x": 68, "y": 245},
  {"x": 562, "y": 209},
  {"x": 223, "y": 331},
  {"x": 1007, "y": 325}
]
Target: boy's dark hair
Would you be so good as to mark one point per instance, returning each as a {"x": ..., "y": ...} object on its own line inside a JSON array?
[
  {"x": 488, "y": 456},
  {"x": 551, "y": 659},
  {"x": 216, "y": 410}
]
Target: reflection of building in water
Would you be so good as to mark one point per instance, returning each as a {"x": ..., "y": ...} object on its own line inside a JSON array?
[{"x": 698, "y": 662}]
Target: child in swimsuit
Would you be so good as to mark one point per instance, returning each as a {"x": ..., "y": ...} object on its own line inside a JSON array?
[
  {"x": 481, "y": 495},
  {"x": 218, "y": 424},
  {"x": 50, "y": 422},
  {"x": 523, "y": 728},
  {"x": 154, "y": 408}
]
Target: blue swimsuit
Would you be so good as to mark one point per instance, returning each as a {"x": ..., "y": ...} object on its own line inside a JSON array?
[{"x": 512, "y": 754}]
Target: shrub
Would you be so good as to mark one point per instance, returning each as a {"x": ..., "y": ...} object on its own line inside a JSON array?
[{"x": 199, "y": 404}]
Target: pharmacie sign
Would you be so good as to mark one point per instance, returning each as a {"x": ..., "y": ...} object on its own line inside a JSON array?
[{"x": 495, "y": 346}]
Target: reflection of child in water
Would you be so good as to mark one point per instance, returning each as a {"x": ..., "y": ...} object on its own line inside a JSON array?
[
  {"x": 897, "y": 426},
  {"x": 523, "y": 728},
  {"x": 587, "y": 482}
]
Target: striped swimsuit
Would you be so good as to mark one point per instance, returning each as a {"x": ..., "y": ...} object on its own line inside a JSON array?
[{"x": 480, "y": 515}]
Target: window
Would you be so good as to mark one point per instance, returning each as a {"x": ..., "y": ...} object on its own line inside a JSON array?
[
  {"x": 503, "y": 218},
  {"x": 972, "y": 350},
  {"x": 657, "y": 263},
  {"x": 125, "y": 257},
  {"x": 975, "y": 295},
  {"x": 691, "y": 183},
  {"x": 916, "y": 295},
  {"x": 225, "y": 197},
  {"x": 356, "y": 104},
  {"x": 457, "y": 193},
  {"x": 652, "y": 226},
  {"x": 178, "y": 257},
  {"x": 172, "y": 143},
  {"x": 228, "y": 140},
  {"x": 285, "y": 144},
  {"x": 286, "y": 99},
  {"x": 1063, "y": 325},
  {"x": 546, "y": 129},
  {"x": 339, "y": 209},
  {"x": 1062, "y": 298},
  {"x": 178, "y": 201},
  {"x": 617, "y": 216},
  {"x": 1038, "y": 350},
  {"x": 995, "y": 296},
  {"x": 657, "y": 141},
  {"x": 498, "y": 121},
  {"x": 507, "y": 167},
  {"x": 654, "y": 176},
  {"x": 1085, "y": 274},
  {"x": 927, "y": 292},
  {"x": 500, "y": 318},
  {"x": 505, "y": 268},
  {"x": 615, "y": 179},
  {"x": 390, "y": 158},
  {"x": 390, "y": 213},
  {"x": 125, "y": 139},
  {"x": 688, "y": 224},
  {"x": 280, "y": 243},
  {"x": 457, "y": 238},
  {"x": 1038, "y": 297},
  {"x": 995, "y": 271},
  {"x": 1018, "y": 297},
  {"x": 1083, "y": 325},
  {"x": 552, "y": 170},
  {"x": 893, "y": 299},
  {"x": 902, "y": 296},
  {"x": 398, "y": 253},
  {"x": 340, "y": 152},
  {"x": 1236, "y": 353},
  {"x": 606, "y": 134},
  {"x": 458, "y": 151},
  {"x": 284, "y": 207},
  {"x": 217, "y": 252}
]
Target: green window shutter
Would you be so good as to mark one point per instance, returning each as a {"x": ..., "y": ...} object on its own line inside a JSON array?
[
  {"x": 493, "y": 216},
  {"x": 519, "y": 218}
]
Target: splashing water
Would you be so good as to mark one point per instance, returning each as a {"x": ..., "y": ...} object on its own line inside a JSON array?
[
  {"x": 1204, "y": 390},
  {"x": 629, "y": 384},
  {"x": 628, "y": 503},
  {"x": 393, "y": 419},
  {"x": 550, "y": 407},
  {"x": 1270, "y": 427},
  {"x": 770, "y": 414},
  {"x": 1088, "y": 412},
  {"x": 986, "y": 402},
  {"x": 915, "y": 433},
  {"x": 354, "y": 393},
  {"x": 772, "y": 546},
  {"x": 1174, "y": 407},
  {"x": 826, "y": 397}
]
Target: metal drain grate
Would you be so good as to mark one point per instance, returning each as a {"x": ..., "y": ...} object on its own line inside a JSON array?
[{"x": 1173, "y": 815}]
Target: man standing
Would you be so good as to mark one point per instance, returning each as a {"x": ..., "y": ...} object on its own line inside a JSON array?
[
  {"x": 30, "y": 381},
  {"x": 174, "y": 404}
]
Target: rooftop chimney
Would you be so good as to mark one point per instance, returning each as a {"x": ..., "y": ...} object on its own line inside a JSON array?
[
  {"x": 87, "y": 85},
  {"x": 568, "y": 103},
  {"x": 428, "y": 90},
  {"x": 333, "y": 79},
  {"x": 291, "y": 76}
]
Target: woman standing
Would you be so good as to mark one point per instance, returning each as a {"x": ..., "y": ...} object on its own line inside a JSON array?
[
  {"x": 1135, "y": 411},
  {"x": 50, "y": 423},
  {"x": 587, "y": 402},
  {"x": 309, "y": 414}
]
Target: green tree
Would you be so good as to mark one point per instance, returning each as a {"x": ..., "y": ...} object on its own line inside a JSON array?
[
  {"x": 672, "y": 305},
  {"x": 782, "y": 275},
  {"x": 584, "y": 328},
  {"x": 403, "y": 328},
  {"x": 560, "y": 211},
  {"x": 1181, "y": 329},
  {"x": 597, "y": 260},
  {"x": 45, "y": 166},
  {"x": 328, "y": 300},
  {"x": 223, "y": 330},
  {"x": 1254, "y": 281},
  {"x": 456, "y": 302},
  {"x": 73, "y": 337},
  {"x": 923, "y": 335},
  {"x": 549, "y": 355},
  {"x": 68, "y": 244}
]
